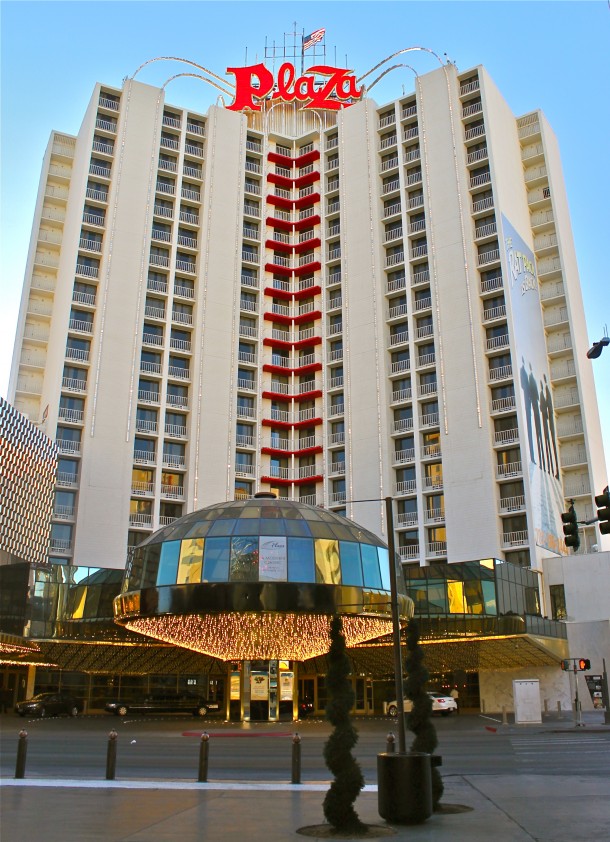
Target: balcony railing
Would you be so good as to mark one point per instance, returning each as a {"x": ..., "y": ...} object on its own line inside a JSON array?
[
  {"x": 510, "y": 469},
  {"x": 488, "y": 257},
  {"x": 80, "y": 326},
  {"x": 512, "y": 504},
  {"x": 506, "y": 436},
  {"x": 501, "y": 372},
  {"x": 408, "y": 486},
  {"x": 503, "y": 404},
  {"x": 515, "y": 539},
  {"x": 140, "y": 520},
  {"x": 68, "y": 446},
  {"x": 436, "y": 548}
]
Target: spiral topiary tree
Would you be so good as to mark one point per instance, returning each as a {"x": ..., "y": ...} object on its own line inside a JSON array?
[
  {"x": 419, "y": 720},
  {"x": 348, "y": 779}
]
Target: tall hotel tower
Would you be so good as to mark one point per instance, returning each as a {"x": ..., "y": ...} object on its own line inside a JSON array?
[{"x": 334, "y": 305}]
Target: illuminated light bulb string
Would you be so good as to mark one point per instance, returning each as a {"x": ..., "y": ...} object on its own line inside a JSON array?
[{"x": 251, "y": 635}]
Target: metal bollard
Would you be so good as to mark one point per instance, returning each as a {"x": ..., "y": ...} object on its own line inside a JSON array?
[
  {"x": 22, "y": 750},
  {"x": 111, "y": 755},
  {"x": 204, "y": 752},
  {"x": 390, "y": 744},
  {"x": 546, "y": 707},
  {"x": 504, "y": 715},
  {"x": 559, "y": 716},
  {"x": 296, "y": 759},
  {"x": 482, "y": 705}
]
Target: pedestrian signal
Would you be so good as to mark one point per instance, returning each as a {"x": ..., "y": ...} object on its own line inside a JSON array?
[{"x": 584, "y": 664}]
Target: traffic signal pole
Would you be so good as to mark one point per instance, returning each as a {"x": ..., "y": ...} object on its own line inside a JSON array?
[{"x": 578, "y": 712}]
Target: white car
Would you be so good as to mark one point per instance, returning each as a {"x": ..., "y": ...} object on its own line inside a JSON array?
[{"x": 440, "y": 704}]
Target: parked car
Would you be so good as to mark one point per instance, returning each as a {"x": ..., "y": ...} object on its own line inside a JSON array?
[
  {"x": 305, "y": 708},
  {"x": 440, "y": 704},
  {"x": 49, "y": 704},
  {"x": 165, "y": 703}
]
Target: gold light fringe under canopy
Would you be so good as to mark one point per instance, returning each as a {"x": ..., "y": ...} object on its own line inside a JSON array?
[{"x": 233, "y": 636}]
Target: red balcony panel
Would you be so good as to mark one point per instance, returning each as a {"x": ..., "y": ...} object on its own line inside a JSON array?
[
  {"x": 269, "y": 422},
  {"x": 279, "y": 293},
  {"x": 303, "y": 343},
  {"x": 276, "y": 396},
  {"x": 307, "y": 292},
  {"x": 280, "y": 201},
  {"x": 307, "y": 396},
  {"x": 307, "y": 201},
  {"x": 278, "y": 343},
  {"x": 276, "y": 480},
  {"x": 307, "y": 158},
  {"x": 308, "y": 343},
  {"x": 304, "y": 180},
  {"x": 280, "y": 180},
  {"x": 303, "y": 481},
  {"x": 278, "y": 270},
  {"x": 306, "y": 451},
  {"x": 280, "y": 223},
  {"x": 313, "y": 243},
  {"x": 305, "y": 369},
  {"x": 311, "y": 422},
  {"x": 278, "y": 369},
  {"x": 307, "y": 268},
  {"x": 308, "y": 317},
  {"x": 276, "y": 245},
  {"x": 275, "y": 317},
  {"x": 306, "y": 223},
  {"x": 282, "y": 160},
  {"x": 306, "y": 480}
]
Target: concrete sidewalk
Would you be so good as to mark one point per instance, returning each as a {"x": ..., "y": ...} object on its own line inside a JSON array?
[{"x": 503, "y": 808}]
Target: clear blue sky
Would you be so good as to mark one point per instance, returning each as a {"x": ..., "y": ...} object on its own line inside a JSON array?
[{"x": 549, "y": 55}]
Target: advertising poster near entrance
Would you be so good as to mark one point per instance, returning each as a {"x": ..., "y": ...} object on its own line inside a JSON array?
[
  {"x": 286, "y": 686},
  {"x": 259, "y": 686},
  {"x": 235, "y": 692},
  {"x": 272, "y": 558},
  {"x": 539, "y": 456}
]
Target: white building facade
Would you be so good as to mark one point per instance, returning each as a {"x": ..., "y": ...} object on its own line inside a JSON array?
[{"x": 329, "y": 305}]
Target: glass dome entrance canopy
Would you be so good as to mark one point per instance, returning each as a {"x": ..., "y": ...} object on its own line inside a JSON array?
[{"x": 259, "y": 579}]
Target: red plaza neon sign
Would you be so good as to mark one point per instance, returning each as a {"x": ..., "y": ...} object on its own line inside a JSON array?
[{"x": 255, "y": 83}]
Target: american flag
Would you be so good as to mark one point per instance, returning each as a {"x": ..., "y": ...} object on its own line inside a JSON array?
[{"x": 310, "y": 40}]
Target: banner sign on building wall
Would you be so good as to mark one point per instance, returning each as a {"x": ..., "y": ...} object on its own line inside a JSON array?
[
  {"x": 540, "y": 450},
  {"x": 272, "y": 559}
]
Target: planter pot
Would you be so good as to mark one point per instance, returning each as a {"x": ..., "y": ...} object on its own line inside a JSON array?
[{"x": 404, "y": 787}]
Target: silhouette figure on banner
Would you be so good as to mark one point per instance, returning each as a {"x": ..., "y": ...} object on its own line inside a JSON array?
[
  {"x": 535, "y": 399},
  {"x": 525, "y": 386},
  {"x": 551, "y": 422}
]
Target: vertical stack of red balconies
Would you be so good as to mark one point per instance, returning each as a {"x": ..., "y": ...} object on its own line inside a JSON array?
[{"x": 293, "y": 315}]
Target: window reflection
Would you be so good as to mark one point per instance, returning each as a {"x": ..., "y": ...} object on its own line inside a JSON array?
[
  {"x": 191, "y": 561},
  {"x": 328, "y": 570}
]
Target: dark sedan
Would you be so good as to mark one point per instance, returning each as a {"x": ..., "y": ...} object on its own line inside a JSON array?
[{"x": 49, "y": 704}]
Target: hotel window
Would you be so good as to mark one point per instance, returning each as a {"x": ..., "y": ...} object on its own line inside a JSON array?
[{"x": 558, "y": 602}]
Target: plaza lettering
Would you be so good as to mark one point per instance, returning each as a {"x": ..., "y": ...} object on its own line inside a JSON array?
[{"x": 255, "y": 83}]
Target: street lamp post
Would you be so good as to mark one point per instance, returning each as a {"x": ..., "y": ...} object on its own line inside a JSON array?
[{"x": 402, "y": 741}]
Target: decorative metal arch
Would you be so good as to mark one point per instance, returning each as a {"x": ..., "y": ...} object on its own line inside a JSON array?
[
  {"x": 226, "y": 90},
  {"x": 399, "y": 53},
  {"x": 197, "y": 76},
  {"x": 388, "y": 70}
]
